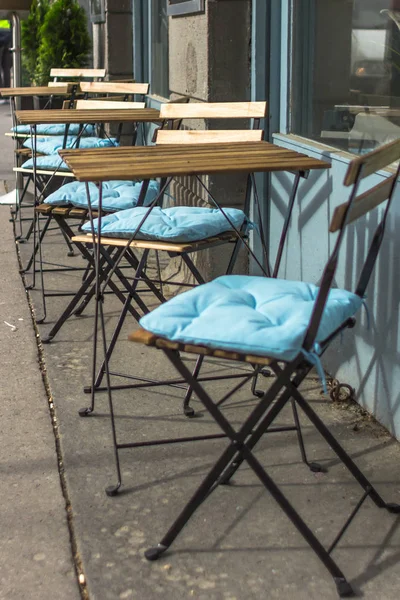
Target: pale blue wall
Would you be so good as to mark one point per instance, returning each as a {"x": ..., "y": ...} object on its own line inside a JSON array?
[{"x": 367, "y": 359}]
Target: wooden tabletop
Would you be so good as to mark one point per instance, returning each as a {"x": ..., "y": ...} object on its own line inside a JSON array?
[
  {"x": 145, "y": 162},
  {"x": 64, "y": 90},
  {"x": 105, "y": 115}
]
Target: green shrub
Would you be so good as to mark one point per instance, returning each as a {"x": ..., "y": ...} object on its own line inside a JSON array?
[
  {"x": 30, "y": 39},
  {"x": 65, "y": 40}
]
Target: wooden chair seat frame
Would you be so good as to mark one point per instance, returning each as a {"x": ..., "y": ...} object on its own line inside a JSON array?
[{"x": 289, "y": 376}]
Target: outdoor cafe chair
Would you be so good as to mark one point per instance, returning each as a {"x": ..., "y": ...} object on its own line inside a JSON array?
[
  {"x": 235, "y": 233},
  {"x": 42, "y": 174},
  {"x": 70, "y": 195},
  {"x": 229, "y": 226},
  {"x": 287, "y": 325}
]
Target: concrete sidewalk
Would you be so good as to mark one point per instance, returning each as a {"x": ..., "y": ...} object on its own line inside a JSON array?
[
  {"x": 238, "y": 546},
  {"x": 35, "y": 550}
]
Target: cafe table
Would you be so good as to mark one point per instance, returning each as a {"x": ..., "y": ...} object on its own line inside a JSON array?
[{"x": 168, "y": 161}]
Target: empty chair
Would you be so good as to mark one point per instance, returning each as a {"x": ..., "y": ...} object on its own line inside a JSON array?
[{"x": 286, "y": 325}]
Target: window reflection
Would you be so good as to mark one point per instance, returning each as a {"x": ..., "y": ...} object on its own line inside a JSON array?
[
  {"x": 353, "y": 75},
  {"x": 159, "y": 48}
]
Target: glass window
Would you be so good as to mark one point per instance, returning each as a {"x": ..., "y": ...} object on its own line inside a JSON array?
[
  {"x": 346, "y": 72},
  {"x": 159, "y": 77}
]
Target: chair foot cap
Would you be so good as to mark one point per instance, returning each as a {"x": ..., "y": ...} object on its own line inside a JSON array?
[
  {"x": 266, "y": 373},
  {"x": 47, "y": 339},
  {"x": 317, "y": 468},
  {"x": 155, "y": 552},
  {"x": 344, "y": 588},
  {"x": 189, "y": 412},
  {"x": 113, "y": 490},
  {"x": 84, "y": 412},
  {"x": 393, "y": 507},
  {"x": 87, "y": 389},
  {"x": 71, "y": 253}
]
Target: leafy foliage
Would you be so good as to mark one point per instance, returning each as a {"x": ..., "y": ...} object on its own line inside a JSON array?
[
  {"x": 65, "y": 41},
  {"x": 54, "y": 35},
  {"x": 30, "y": 38}
]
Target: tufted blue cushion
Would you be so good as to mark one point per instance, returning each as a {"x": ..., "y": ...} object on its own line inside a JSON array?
[
  {"x": 178, "y": 224},
  {"x": 256, "y": 315},
  {"x": 56, "y": 129},
  {"x": 51, "y": 162},
  {"x": 52, "y": 144},
  {"x": 117, "y": 195}
]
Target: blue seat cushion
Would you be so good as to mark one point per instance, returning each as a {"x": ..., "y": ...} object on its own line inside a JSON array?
[
  {"x": 52, "y": 144},
  {"x": 50, "y": 163},
  {"x": 254, "y": 315},
  {"x": 56, "y": 129},
  {"x": 117, "y": 195},
  {"x": 177, "y": 224}
]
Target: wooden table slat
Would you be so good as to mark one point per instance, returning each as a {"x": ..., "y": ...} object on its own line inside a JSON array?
[
  {"x": 37, "y": 117},
  {"x": 36, "y": 91},
  {"x": 161, "y": 161}
]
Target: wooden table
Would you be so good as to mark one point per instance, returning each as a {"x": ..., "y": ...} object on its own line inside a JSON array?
[
  {"x": 146, "y": 162},
  {"x": 108, "y": 115},
  {"x": 19, "y": 92}
]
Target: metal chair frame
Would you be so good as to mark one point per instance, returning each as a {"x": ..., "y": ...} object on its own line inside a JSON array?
[
  {"x": 289, "y": 376},
  {"x": 141, "y": 382},
  {"x": 38, "y": 234}
]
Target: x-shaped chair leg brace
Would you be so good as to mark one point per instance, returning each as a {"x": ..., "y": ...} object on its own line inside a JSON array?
[{"x": 240, "y": 449}]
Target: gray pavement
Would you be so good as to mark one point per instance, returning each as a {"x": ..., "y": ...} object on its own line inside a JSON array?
[
  {"x": 238, "y": 546},
  {"x": 35, "y": 552}
]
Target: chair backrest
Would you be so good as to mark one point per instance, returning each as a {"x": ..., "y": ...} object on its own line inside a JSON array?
[
  {"x": 114, "y": 87},
  {"x": 176, "y": 112},
  {"x": 357, "y": 206},
  {"x": 214, "y": 110},
  {"x": 108, "y": 104},
  {"x": 171, "y": 136},
  {"x": 80, "y": 73}
]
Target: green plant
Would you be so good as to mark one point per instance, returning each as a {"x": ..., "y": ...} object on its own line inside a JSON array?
[
  {"x": 65, "y": 40},
  {"x": 31, "y": 38}
]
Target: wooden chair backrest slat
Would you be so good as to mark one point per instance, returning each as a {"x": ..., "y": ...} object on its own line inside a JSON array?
[
  {"x": 77, "y": 72},
  {"x": 60, "y": 83},
  {"x": 362, "y": 204},
  {"x": 67, "y": 103},
  {"x": 373, "y": 161},
  {"x": 101, "y": 104},
  {"x": 214, "y": 110},
  {"x": 111, "y": 87},
  {"x": 166, "y": 136}
]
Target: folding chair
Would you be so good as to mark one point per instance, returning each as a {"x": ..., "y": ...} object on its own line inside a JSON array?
[
  {"x": 230, "y": 234},
  {"x": 314, "y": 316},
  {"x": 62, "y": 214}
]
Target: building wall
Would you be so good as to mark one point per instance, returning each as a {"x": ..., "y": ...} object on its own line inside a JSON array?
[
  {"x": 209, "y": 61},
  {"x": 113, "y": 40},
  {"x": 366, "y": 357}
]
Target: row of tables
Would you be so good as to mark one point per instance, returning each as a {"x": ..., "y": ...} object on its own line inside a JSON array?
[{"x": 145, "y": 162}]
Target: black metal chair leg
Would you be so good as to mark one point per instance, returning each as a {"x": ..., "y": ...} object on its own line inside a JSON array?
[
  {"x": 315, "y": 467},
  {"x": 69, "y": 309},
  {"x": 68, "y": 242},
  {"x": 342, "y": 454},
  {"x": 111, "y": 490},
  {"x": 188, "y": 411},
  {"x": 211, "y": 481}
]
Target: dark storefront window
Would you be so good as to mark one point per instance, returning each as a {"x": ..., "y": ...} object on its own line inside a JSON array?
[
  {"x": 159, "y": 48},
  {"x": 346, "y": 72}
]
